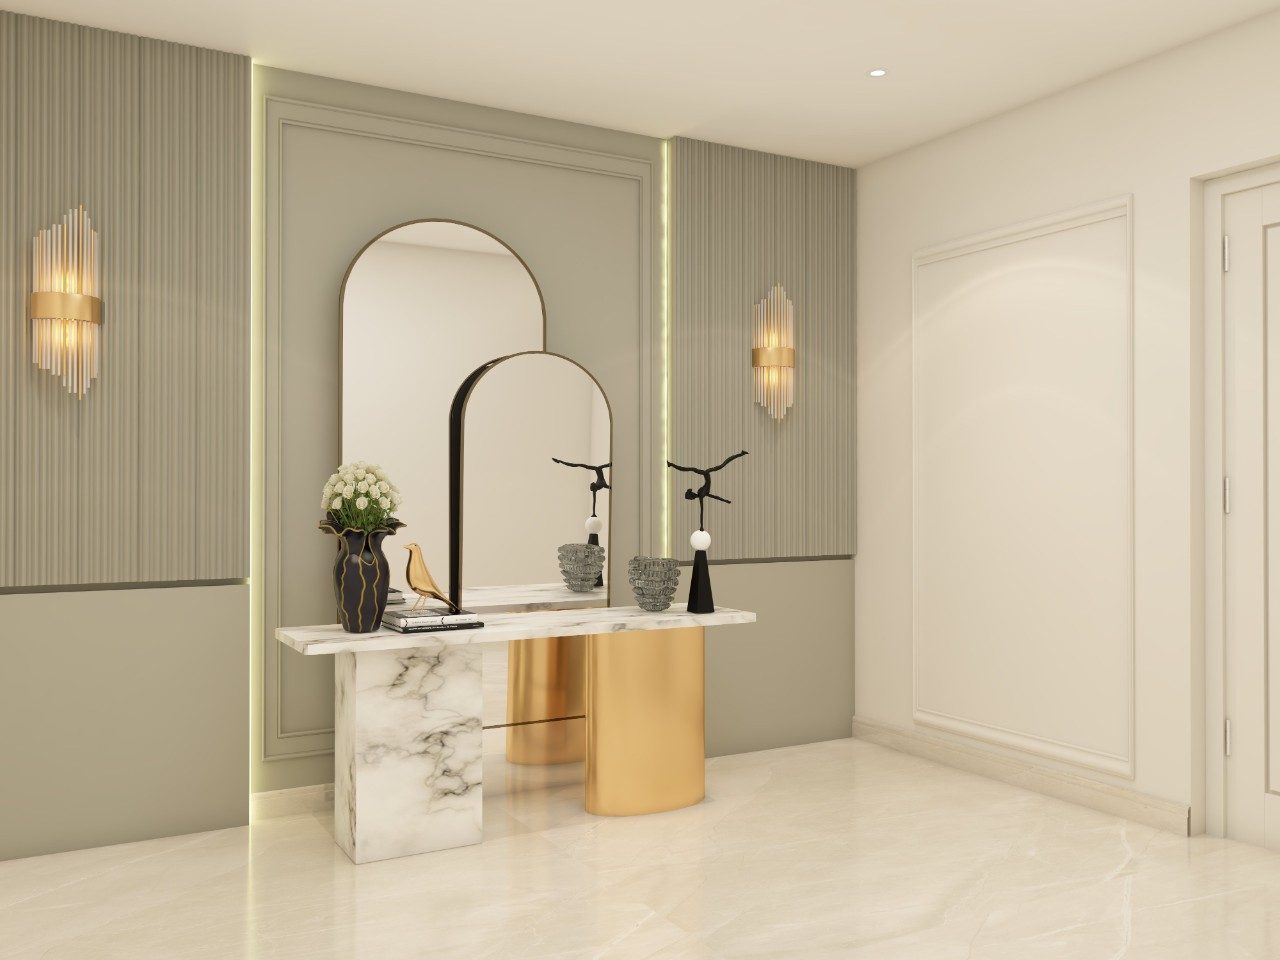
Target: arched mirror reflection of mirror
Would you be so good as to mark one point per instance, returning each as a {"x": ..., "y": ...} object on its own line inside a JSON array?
[{"x": 424, "y": 305}]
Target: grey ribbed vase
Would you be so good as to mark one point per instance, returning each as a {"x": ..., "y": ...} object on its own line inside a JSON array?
[
  {"x": 653, "y": 581},
  {"x": 581, "y": 565}
]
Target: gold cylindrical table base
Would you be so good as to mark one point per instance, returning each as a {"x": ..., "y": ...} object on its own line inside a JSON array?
[
  {"x": 545, "y": 678},
  {"x": 645, "y": 722}
]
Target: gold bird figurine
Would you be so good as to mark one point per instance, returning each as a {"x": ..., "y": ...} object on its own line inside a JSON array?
[{"x": 421, "y": 581}]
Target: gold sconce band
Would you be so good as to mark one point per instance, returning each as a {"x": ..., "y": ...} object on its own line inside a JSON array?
[
  {"x": 54, "y": 305},
  {"x": 773, "y": 356}
]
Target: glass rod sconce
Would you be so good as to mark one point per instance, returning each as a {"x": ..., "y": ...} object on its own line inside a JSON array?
[
  {"x": 773, "y": 353},
  {"x": 65, "y": 306}
]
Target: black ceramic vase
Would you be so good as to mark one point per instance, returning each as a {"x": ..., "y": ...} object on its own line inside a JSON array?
[{"x": 360, "y": 574}]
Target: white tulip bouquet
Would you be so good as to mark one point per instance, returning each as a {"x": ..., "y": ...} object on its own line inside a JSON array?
[{"x": 360, "y": 497}]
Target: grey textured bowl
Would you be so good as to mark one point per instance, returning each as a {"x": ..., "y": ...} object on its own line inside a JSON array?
[
  {"x": 581, "y": 565},
  {"x": 653, "y": 581}
]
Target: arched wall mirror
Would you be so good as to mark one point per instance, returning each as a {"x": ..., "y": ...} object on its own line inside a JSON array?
[
  {"x": 424, "y": 305},
  {"x": 510, "y": 422},
  {"x": 427, "y": 305}
]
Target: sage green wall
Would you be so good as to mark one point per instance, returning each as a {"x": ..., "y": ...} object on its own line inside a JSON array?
[
  {"x": 342, "y": 162},
  {"x": 741, "y": 221},
  {"x": 788, "y": 677},
  {"x": 125, "y": 711},
  {"x": 125, "y": 716}
]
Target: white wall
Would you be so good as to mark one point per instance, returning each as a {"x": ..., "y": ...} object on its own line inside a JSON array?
[
  {"x": 417, "y": 320},
  {"x": 1150, "y": 131}
]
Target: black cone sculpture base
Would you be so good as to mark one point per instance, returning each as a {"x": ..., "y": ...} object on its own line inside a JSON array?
[
  {"x": 595, "y": 538},
  {"x": 700, "y": 599}
]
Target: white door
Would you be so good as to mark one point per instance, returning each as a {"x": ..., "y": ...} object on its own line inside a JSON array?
[{"x": 1249, "y": 271}]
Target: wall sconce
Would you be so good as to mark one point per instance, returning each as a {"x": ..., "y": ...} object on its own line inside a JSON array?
[
  {"x": 773, "y": 353},
  {"x": 65, "y": 309}
]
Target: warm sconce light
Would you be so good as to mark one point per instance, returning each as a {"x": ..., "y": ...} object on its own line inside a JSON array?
[
  {"x": 773, "y": 353},
  {"x": 65, "y": 309}
]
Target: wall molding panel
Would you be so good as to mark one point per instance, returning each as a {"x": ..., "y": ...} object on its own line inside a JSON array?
[
  {"x": 144, "y": 479},
  {"x": 741, "y": 221},
  {"x": 343, "y": 162},
  {"x": 1023, "y": 489}
]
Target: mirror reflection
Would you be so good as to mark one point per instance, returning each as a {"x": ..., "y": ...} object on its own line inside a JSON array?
[
  {"x": 519, "y": 504},
  {"x": 536, "y": 432}
]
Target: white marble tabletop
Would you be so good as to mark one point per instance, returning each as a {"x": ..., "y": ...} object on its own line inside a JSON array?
[
  {"x": 501, "y": 627},
  {"x": 525, "y": 597}
]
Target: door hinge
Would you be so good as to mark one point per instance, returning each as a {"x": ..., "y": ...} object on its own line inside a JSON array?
[
  {"x": 1226, "y": 495},
  {"x": 1226, "y": 737},
  {"x": 1226, "y": 253}
]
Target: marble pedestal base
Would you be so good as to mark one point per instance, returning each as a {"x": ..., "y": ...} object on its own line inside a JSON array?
[{"x": 407, "y": 753}]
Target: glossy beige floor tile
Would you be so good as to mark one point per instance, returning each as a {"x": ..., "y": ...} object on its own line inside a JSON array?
[{"x": 840, "y": 849}]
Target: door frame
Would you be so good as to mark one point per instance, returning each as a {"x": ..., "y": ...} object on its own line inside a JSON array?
[{"x": 1215, "y": 190}]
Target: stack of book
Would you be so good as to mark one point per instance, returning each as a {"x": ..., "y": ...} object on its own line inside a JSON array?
[{"x": 424, "y": 619}]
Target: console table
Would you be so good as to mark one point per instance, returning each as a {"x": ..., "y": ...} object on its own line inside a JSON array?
[{"x": 407, "y": 751}]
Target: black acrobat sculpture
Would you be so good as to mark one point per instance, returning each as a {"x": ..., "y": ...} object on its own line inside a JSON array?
[
  {"x": 700, "y": 598},
  {"x": 594, "y": 523}
]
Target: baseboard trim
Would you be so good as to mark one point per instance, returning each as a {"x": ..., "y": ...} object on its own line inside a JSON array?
[
  {"x": 290, "y": 802},
  {"x": 1108, "y": 798}
]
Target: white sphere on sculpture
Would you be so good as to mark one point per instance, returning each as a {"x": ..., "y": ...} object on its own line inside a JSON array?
[
  {"x": 700, "y": 540},
  {"x": 594, "y": 524}
]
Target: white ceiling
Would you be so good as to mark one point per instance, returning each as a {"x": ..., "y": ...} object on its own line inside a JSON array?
[{"x": 787, "y": 76}]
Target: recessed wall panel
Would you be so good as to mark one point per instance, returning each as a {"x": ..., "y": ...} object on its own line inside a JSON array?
[
  {"x": 582, "y": 220},
  {"x": 1023, "y": 379}
]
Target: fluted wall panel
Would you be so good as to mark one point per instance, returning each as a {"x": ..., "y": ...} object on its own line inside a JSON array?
[
  {"x": 740, "y": 222},
  {"x": 12, "y": 259},
  {"x": 144, "y": 480},
  {"x": 110, "y": 116}
]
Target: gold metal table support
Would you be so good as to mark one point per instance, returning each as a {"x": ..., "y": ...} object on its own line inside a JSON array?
[
  {"x": 545, "y": 678},
  {"x": 646, "y": 744}
]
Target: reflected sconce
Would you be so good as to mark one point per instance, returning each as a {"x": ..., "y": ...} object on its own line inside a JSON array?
[
  {"x": 773, "y": 353},
  {"x": 65, "y": 307}
]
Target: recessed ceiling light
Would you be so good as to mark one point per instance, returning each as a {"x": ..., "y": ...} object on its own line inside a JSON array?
[{"x": 877, "y": 72}]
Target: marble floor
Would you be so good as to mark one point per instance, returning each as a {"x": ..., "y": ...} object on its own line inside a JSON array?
[{"x": 840, "y": 849}]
